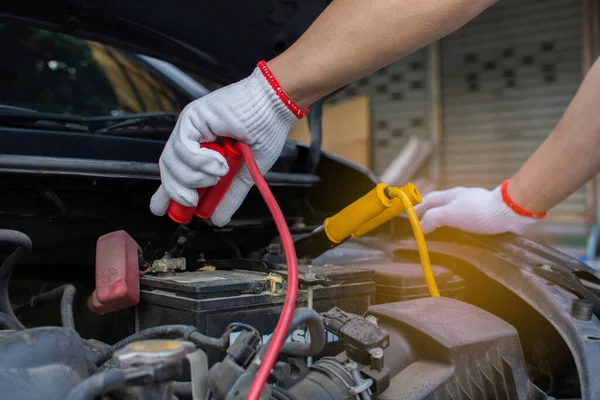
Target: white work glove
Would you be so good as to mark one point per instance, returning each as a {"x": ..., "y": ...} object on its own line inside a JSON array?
[
  {"x": 250, "y": 111},
  {"x": 473, "y": 210}
]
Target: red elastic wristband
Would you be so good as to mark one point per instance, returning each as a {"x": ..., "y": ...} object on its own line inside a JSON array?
[
  {"x": 515, "y": 207},
  {"x": 298, "y": 112}
]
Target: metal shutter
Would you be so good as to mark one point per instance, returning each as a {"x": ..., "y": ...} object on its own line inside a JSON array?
[
  {"x": 507, "y": 78},
  {"x": 398, "y": 95}
]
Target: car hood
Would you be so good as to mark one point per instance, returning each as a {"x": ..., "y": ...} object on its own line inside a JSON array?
[{"x": 223, "y": 39}]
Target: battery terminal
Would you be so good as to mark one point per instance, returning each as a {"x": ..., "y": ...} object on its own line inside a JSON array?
[{"x": 273, "y": 280}]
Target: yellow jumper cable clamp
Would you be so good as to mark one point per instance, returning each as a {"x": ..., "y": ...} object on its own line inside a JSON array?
[
  {"x": 363, "y": 210},
  {"x": 372, "y": 210},
  {"x": 394, "y": 210}
]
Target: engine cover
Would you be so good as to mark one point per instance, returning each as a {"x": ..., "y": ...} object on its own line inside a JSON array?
[
  {"x": 41, "y": 364},
  {"x": 442, "y": 348}
]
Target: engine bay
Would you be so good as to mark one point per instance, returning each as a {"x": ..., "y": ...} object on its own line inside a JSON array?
[
  {"x": 111, "y": 301},
  {"x": 364, "y": 327}
]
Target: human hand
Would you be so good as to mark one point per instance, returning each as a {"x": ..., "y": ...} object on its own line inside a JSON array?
[
  {"x": 253, "y": 110},
  {"x": 475, "y": 210}
]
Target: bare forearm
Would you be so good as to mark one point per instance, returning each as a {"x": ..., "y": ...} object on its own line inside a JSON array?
[
  {"x": 353, "y": 38},
  {"x": 568, "y": 158}
]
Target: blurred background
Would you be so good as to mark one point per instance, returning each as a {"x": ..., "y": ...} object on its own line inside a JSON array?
[{"x": 469, "y": 109}]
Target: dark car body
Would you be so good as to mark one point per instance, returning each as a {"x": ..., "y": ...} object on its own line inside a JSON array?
[{"x": 222, "y": 39}]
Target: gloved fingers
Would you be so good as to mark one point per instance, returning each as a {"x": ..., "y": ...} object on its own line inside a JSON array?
[
  {"x": 199, "y": 159},
  {"x": 184, "y": 195},
  {"x": 233, "y": 199},
  {"x": 159, "y": 202},
  {"x": 185, "y": 175},
  {"x": 191, "y": 125},
  {"x": 435, "y": 199},
  {"x": 433, "y": 219}
]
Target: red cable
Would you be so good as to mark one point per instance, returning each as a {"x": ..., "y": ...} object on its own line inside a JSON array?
[{"x": 292, "y": 265}]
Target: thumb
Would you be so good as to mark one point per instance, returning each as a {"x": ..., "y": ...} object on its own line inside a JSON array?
[
  {"x": 233, "y": 199},
  {"x": 433, "y": 219},
  {"x": 160, "y": 202}
]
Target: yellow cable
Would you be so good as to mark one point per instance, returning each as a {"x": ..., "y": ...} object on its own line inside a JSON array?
[
  {"x": 342, "y": 224},
  {"x": 375, "y": 208},
  {"x": 420, "y": 238}
]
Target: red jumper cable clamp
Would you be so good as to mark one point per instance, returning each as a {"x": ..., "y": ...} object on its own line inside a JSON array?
[
  {"x": 182, "y": 214},
  {"x": 213, "y": 195}
]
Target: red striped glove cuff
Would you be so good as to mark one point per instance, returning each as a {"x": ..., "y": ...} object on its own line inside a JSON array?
[
  {"x": 297, "y": 111},
  {"x": 515, "y": 207}
]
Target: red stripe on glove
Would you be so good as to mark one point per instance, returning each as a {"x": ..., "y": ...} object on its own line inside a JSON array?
[
  {"x": 515, "y": 207},
  {"x": 298, "y": 112}
]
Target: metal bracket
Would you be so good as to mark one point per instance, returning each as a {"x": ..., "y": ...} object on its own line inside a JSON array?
[{"x": 569, "y": 281}]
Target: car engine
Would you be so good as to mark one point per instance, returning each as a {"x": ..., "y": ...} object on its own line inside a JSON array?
[
  {"x": 99, "y": 299},
  {"x": 186, "y": 325}
]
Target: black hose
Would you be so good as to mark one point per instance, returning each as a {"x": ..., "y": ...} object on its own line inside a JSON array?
[
  {"x": 96, "y": 345},
  {"x": 8, "y": 322},
  {"x": 24, "y": 242},
  {"x": 179, "y": 331},
  {"x": 278, "y": 393},
  {"x": 328, "y": 380},
  {"x": 92, "y": 347},
  {"x": 288, "y": 178},
  {"x": 67, "y": 295},
  {"x": 316, "y": 329},
  {"x": 66, "y": 307},
  {"x": 98, "y": 384},
  {"x": 63, "y": 211},
  {"x": 315, "y": 128},
  {"x": 201, "y": 340}
]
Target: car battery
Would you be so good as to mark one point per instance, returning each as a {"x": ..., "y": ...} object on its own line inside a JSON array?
[
  {"x": 242, "y": 291},
  {"x": 397, "y": 281}
]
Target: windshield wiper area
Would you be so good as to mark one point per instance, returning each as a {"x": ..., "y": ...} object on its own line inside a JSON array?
[
  {"x": 26, "y": 118},
  {"x": 136, "y": 125},
  {"x": 118, "y": 125}
]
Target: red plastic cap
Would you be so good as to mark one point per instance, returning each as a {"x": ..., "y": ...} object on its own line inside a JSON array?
[
  {"x": 231, "y": 151},
  {"x": 213, "y": 146},
  {"x": 213, "y": 195},
  {"x": 180, "y": 213},
  {"x": 117, "y": 273}
]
